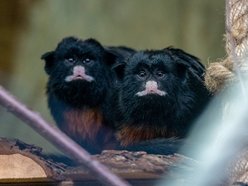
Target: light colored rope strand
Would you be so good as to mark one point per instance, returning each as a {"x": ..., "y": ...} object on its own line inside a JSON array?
[{"x": 220, "y": 74}]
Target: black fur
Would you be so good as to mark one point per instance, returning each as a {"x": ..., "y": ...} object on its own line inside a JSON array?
[
  {"x": 80, "y": 95},
  {"x": 177, "y": 73},
  {"x": 77, "y": 93},
  {"x": 162, "y": 146}
]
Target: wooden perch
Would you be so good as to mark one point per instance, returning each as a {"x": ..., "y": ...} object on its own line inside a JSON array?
[
  {"x": 22, "y": 163},
  {"x": 26, "y": 163},
  {"x": 20, "y": 160}
]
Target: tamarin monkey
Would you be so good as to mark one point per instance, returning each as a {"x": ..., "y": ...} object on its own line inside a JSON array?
[
  {"x": 80, "y": 82},
  {"x": 160, "y": 93},
  {"x": 156, "y": 95}
]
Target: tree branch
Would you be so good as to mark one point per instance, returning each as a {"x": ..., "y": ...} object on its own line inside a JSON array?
[{"x": 59, "y": 139}]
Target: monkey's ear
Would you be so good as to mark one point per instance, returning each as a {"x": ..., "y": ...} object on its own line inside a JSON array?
[
  {"x": 119, "y": 69},
  {"x": 49, "y": 61},
  {"x": 113, "y": 58},
  {"x": 116, "y": 61},
  {"x": 193, "y": 65},
  {"x": 182, "y": 69}
]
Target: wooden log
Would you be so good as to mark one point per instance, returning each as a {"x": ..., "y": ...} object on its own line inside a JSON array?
[
  {"x": 21, "y": 160},
  {"x": 25, "y": 164},
  {"x": 22, "y": 163}
]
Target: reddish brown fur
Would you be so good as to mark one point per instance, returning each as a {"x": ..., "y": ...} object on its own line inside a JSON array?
[
  {"x": 129, "y": 135},
  {"x": 84, "y": 123}
]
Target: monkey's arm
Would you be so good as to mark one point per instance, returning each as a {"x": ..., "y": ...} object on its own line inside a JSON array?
[{"x": 163, "y": 146}]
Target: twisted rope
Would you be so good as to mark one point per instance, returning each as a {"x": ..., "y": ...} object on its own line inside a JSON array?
[{"x": 219, "y": 74}]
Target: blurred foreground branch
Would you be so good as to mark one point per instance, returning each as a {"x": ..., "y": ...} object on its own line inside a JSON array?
[{"x": 59, "y": 139}]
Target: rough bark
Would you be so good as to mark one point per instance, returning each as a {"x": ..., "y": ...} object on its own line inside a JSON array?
[{"x": 24, "y": 163}]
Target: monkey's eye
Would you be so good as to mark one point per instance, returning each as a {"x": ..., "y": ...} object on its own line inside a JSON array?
[
  {"x": 160, "y": 74},
  {"x": 70, "y": 60},
  {"x": 87, "y": 61},
  {"x": 142, "y": 74}
]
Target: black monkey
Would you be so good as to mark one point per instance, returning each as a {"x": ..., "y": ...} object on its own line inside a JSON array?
[
  {"x": 78, "y": 89},
  {"x": 158, "y": 96}
]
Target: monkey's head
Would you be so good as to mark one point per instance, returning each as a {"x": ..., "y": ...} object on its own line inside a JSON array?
[
  {"x": 79, "y": 71},
  {"x": 159, "y": 84}
]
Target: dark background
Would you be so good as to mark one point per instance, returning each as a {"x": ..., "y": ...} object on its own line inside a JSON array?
[{"x": 28, "y": 28}]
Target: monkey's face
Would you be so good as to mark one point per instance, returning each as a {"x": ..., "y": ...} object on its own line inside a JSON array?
[
  {"x": 153, "y": 82},
  {"x": 78, "y": 70}
]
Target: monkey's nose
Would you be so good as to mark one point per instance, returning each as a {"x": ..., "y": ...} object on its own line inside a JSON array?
[
  {"x": 151, "y": 86},
  {"x": 78, "y": 70}
]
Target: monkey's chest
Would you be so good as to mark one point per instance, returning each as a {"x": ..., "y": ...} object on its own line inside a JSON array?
[
  {"x": 83, "y": 124},
  {"x": 130, "y": 134},
  {"x": 87, "y": 128}
]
